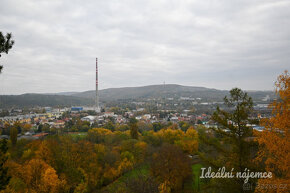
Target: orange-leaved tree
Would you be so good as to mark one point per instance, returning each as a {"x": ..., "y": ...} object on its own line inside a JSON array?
[{"x": 274, "y": 143}]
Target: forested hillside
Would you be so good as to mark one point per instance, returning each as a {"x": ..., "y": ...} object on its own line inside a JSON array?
[
  {"x": 34, "y": 100},
  {"x": 113, "y": 94}
]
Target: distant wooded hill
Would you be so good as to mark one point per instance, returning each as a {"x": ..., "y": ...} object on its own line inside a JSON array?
[
  {"x": 113, "y": 94},
  {"x": 42, "y": 100},
  {"x": 167, "y": 91}
]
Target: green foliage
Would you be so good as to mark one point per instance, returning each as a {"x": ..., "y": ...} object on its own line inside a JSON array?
[
  {"x": 117, "y": 110},
  {"x": 16, "y": 151},
  {"x": 100, "y": 135},
  {"x": 110, "y": 126},
  {"x": 133, "y": 120},
  {"x": 199, "y": 122},
  {"x": 196, "y": 169},
  {"x": 232, "y": 149},
  {"x": 150, "y": 138},
  {"x": 18, "y": 126},
  {"x": 6, "y": 44},
  {"x": 157, "y": 126},
  {"x": 130, "y": 182},
  {"x": 123, "y": 128},
  {"x": 4, "y": 177},
  {"x": 141, "y": 183},
  {"x": 118, "y": 137},
  {"x": 13, "y": 135},
  {"x": 183, "y": 125},
  {"x": 128, "y": 145},
  {"x": 133, "y": 128},
  {"x": 17, "y": 184}
]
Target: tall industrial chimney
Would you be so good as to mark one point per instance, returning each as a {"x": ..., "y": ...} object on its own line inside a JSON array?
[{"x": 97, "y": 108}]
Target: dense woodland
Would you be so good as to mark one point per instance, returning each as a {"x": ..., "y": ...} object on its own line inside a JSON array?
[{"x": 92, "y": 163}]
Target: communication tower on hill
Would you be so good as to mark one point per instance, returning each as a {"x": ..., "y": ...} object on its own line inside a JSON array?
[{"x": 97, "y": 107}]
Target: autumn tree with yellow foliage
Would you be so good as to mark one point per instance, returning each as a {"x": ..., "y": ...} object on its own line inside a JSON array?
[{"x": 274, "y": 143}]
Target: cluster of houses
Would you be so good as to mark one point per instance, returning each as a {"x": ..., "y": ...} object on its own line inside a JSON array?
[
  {"x": 51, "y": 118},
  {"x": 54, "y": 117}
]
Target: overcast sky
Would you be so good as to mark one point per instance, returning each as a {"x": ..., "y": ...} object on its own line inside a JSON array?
[{"x": 212, "y": 43}]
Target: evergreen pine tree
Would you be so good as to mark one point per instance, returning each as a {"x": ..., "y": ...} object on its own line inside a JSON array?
[
  {"x": 232, "y": 144},
  {"x": 5, "y": 44}
]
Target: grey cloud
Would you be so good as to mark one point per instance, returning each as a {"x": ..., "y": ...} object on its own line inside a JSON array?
[{"x": 217, "y": 43}]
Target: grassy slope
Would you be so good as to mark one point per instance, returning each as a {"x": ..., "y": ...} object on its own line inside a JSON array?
[
  {"x": 144, "y": 169},
  {"x": 196, "y": 173},
  {"x": 119, "y": 183}
]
